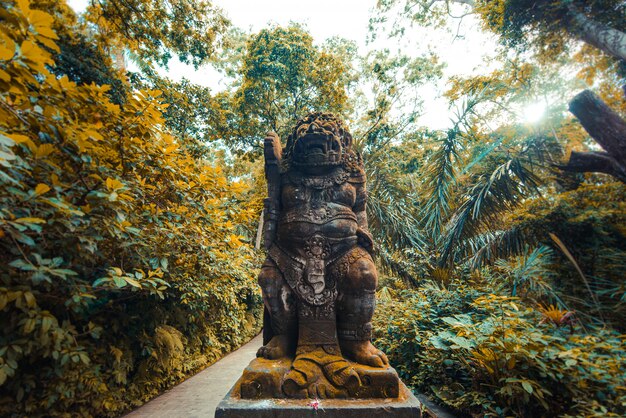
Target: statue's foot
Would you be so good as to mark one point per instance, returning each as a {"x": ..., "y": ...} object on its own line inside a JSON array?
[
  {"x": 320, "y": 374},
  {"x": 279, "y": 346},
  {"x": 363, "y": 352}
]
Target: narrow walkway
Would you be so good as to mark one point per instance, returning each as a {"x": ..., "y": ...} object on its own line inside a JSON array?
[{"x": 199, "y": 395}]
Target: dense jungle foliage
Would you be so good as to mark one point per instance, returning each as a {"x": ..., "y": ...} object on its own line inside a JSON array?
[
  {"x": 130, "y": 202},
  {"x": 122, "y": 263}
]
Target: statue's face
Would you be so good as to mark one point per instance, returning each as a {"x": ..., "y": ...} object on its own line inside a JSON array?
[{"x": 317, "y": 147}]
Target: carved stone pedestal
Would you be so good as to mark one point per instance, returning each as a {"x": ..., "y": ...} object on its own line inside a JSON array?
[
  {"x": 405, "y": 405},
  {"x": 257, "y": 394},
  {"x": 264, "y": 379}
]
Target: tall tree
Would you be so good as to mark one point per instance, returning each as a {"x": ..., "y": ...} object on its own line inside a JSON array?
[
  {"x": 544, "y": 24},
  {"x": 386, "y": 131},
  {"x": 600, "y": 23},
  {"x": 284, "y": 76}
]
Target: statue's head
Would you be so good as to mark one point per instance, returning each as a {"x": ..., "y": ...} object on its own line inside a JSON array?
[{"x": 318, "y": 143}]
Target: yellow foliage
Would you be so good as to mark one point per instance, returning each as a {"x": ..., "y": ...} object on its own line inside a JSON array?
[
  {"x": 111, "y": 235},
  {"x": 492, "y": 12},
  {"x": 169, "y": 345}
]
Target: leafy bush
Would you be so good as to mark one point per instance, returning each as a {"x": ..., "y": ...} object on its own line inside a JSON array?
[
  {"x": 492, "y": 355},
  {"x": 120, "y": 271},
  {"x": 589, "y": 221}
]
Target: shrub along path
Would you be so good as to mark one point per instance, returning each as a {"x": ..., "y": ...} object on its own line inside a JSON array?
[{"x": 199, "y": 395}]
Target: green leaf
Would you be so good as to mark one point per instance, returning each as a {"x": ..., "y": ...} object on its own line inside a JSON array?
[
  {"x": 83, "y": 357},
  {"x": 527, "y": 386},
  {"x": 22, "y": 265},
  {"x": 24, "y": 239},
  {"x": 119, "y": 281},
  {"x": 99, "y": 281},
  {"x": 164, "y": 264},
  {"x": 463, "y": 342},
  {"x": 133, "y": 282}
]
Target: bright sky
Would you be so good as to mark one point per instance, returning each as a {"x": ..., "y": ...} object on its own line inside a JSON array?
[
  {"x": 349, "y": 19},
  {"x": 324, "y": 18}
]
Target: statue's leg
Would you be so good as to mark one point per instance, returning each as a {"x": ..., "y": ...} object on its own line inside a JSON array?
[
  {"x": 355, "y": 308},
  {"x": 280, "y": 303}
]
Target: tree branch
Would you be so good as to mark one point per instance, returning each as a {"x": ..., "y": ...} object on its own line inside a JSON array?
[
  {"x": 594, "y": 162},
  {"x": 603, "y": 123},
  {"x": 608, "y": 129}
]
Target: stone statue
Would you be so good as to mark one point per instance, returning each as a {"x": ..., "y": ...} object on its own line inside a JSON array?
[
  {"x": 319, "y": 279},
  {"x": 318, "y": 283}
]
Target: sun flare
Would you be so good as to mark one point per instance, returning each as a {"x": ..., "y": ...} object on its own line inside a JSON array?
[{"x": 533, "y": 112}]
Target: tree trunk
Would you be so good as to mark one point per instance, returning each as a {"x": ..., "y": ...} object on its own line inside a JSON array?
[
  {"x": 608, "y": 129},
  {"x": 609, "y": 40}
]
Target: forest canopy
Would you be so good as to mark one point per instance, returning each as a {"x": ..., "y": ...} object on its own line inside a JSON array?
[{"x": 131, "y": 201}]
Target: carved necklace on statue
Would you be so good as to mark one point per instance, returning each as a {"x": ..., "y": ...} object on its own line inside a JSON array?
[{"x": 320, "y": 182}]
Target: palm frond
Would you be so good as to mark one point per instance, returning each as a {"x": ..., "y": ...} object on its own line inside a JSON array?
[
  {"x": 486, "y": 247},
  {"x": 390, "y": 213},
  {"x": 399, "y": 263},
  {"x": 440, "y": 177},
  {"x": 531, "y": 269},
  {"x": 491, "y": 194}
]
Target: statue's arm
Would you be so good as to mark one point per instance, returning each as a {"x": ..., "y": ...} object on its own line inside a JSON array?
[
  {"x": 273, "y": 153},
  {"x": 363, "y": 234}
]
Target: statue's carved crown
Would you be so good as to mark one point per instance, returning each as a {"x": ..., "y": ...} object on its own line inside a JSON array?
[{"x": 324, "y": 124}]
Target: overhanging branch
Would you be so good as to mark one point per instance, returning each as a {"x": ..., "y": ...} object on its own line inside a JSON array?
[
  {"x": 594, "y": 162},
  {"x": 608, "y": 129}
]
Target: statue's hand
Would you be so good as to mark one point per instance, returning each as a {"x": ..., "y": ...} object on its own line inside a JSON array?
[
  {"x": 270, "y": 235},
  {"x": 365, "y": 240},
  {"x": 269, "y": 227},
  {"x": 272, "y": 147}
]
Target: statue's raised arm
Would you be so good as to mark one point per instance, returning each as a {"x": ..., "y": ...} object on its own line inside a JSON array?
[{"x": 273, "y": 153}]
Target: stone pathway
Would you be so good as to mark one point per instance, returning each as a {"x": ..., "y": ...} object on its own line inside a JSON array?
[{"x": 199, "y": 395}]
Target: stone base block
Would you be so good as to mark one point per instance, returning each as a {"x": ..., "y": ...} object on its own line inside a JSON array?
[{"x": 405, "y": 405}]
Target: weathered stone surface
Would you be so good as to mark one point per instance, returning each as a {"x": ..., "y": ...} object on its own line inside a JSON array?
[
  {"x": 319, "y": 279},
  {"x": 264, "y": 379},
  {"x": 404, "y": 406}
]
